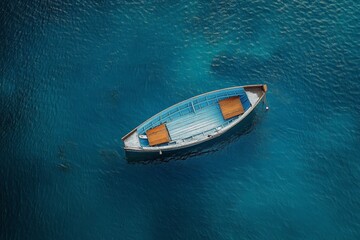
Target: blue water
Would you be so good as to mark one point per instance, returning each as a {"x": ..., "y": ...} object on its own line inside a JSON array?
[{"x": 78, "y": 75}]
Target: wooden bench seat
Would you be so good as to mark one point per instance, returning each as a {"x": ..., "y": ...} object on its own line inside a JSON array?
[
  {"x": 231, "y": 107},
  {"x": 158, "y": 135}
]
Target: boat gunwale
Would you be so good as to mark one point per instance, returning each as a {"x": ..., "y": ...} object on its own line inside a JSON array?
[
  {"x": 192, "y": 98},
  {"x": 224, "y": 130}
]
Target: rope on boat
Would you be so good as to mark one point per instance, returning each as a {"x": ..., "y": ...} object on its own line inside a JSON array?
[
  {"x": 266, "y": 105},
  {"x": 265, "y": 89}
]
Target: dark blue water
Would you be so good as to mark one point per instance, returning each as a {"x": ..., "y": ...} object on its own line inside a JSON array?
[{"x": 78, "y": 75}]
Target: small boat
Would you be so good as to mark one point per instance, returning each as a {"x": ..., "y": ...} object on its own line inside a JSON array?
[{"x": 194, "y": 121}]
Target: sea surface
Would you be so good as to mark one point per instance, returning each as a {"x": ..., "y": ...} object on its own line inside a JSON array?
[{"x": 77, "y": 75}]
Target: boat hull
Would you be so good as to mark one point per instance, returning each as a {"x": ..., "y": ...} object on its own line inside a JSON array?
[{"x": 212, "y": 144}]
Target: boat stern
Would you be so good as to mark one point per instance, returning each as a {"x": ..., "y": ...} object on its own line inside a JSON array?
[{"x": 131, "y": 140}]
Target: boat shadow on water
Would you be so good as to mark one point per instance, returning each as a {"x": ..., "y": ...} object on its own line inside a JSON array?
[{"x": 205, "y": 148}]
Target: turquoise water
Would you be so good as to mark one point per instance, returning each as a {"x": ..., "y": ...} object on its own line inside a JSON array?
[{"x": 78, "y": 75}]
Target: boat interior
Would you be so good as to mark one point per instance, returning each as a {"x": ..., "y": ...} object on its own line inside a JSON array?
[{"x": 195, "y": 118}]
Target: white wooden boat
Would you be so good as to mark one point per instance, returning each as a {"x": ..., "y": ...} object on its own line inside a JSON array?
[{"x": 194, "y": 121}]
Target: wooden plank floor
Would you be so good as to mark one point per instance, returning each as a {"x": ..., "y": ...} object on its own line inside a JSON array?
[{"x": 195, "y": 123}]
